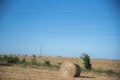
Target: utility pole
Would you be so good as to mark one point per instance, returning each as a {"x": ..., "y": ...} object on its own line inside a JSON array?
[
  {"x": 20, "y": 52},
  {"x": 41, "y": 49}
]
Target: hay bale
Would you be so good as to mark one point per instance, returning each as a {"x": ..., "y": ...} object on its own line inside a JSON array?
[{"x": 68, "y": 69}]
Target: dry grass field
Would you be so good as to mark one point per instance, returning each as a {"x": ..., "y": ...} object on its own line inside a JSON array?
[{"x": 19, "y": 72}]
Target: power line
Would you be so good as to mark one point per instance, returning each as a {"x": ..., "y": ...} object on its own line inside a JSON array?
[
  {"x": 80, "y": 33},
  {"x": 41, "y": 49}
]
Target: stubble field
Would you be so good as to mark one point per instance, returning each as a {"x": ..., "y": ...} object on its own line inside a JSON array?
[{"x": 22, "y": 72}]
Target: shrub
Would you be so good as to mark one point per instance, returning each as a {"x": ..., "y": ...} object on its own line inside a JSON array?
[
  {"x": 99, "y": 70},
  {"x": 0, "y": 57},
  {"x": 109, "y": 72},
  {"x": 34, "y": 61},
  {"x": 25, "y": 55},
  {"x": 86, "y": 62},
  {"x": 47, "y": 62},
  {"x": 23, "y": 61},
  {"x": 5, "y": 58},
  {"x": 57, "y": 66},
  {"x": 34, "y": 55},
  {"x": 11, "y": 59},
  {"x": 59, "y": 63},
  {"x": 38, "y": 64}
]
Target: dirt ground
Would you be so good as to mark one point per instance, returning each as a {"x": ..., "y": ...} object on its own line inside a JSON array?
[{"x": 16, "y": 72}]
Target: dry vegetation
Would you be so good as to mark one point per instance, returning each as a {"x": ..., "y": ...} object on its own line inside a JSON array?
[{"x": 32, "y": 72}]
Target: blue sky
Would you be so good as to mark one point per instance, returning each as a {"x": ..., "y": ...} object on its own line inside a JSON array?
[{"x": 65, "y": 28}]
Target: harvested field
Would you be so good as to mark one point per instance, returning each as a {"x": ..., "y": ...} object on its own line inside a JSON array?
[{"x": 16, "y": 72}]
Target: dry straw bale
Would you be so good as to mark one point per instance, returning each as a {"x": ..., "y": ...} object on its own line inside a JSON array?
[{"x": 68, "y": 69}]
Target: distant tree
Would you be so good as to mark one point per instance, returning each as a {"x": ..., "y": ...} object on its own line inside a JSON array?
[
  {"x": 34, "y": 61},
  {"x": 86, "y": 62},
  {"x": 25, "y": 55},
  {"x": 34, "y": 55}
]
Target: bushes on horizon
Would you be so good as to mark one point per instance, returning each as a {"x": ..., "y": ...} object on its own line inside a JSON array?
[
  {"x": 34, "y": 55},
  {"x": 5, "y": 58},
  {"x": 11, "y": 59}
]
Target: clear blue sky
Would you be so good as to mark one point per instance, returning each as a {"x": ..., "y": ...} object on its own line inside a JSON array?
[{"x": 65, "y": 28}]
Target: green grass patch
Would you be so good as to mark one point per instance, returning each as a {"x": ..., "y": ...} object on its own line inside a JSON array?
[{"x": 108, "y": 72}]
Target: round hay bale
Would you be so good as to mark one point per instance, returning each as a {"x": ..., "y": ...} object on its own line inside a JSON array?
[{"x": 68, "y": 69}]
